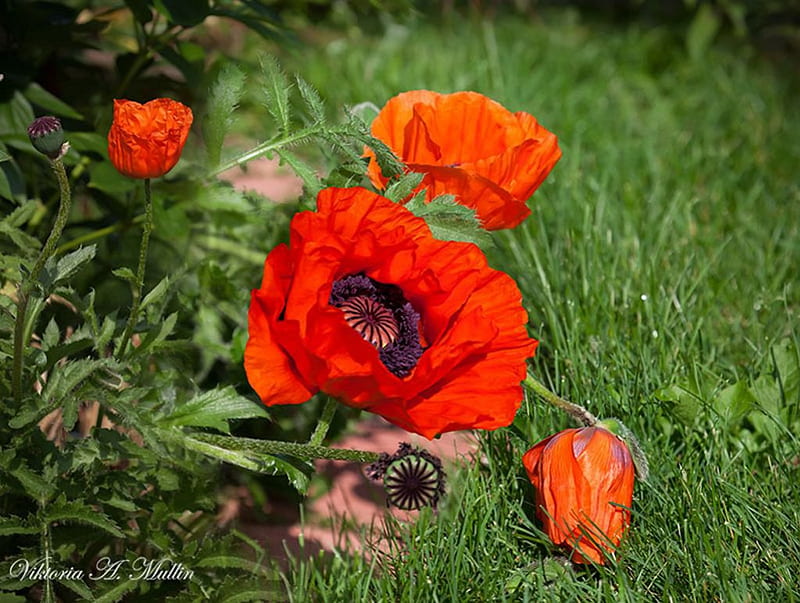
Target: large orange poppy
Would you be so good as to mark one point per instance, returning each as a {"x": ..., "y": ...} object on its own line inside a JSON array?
[
  {"x": 146, "y": 141},
  {"x": 584, "y": 488},
  {"x": 365, "y": 305},
  {"x": 469, "y": 146}
]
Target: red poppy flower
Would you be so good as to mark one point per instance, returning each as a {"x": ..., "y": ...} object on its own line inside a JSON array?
[
  {"x": 365, "y": 305},
  {"x": 469, "y": 146},
  {"x": 581, "y": 476},
  {"x": 146, "y": 141}
]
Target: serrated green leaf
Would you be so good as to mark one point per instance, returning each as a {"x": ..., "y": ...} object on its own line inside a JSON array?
[
  {"x": 156, "y": 293},
  {"x": 276, "y": 92},
  {"x": 118, "y": 503},
  {"x": 4, "y": 156},
  {"x": 312, "y": 99},
  {"x": 21, "y": 239},
  {"x": 65, "y": 379},
  {"x": 390, "y": 165},
  {"x": 310, "y": 179},
  {"x": 224, "y": 97},
  {"x": 105, "y": 334},
  {"x": 58, "y": 271},
  {"x": 64, "y": 350},
  {"x": 80, "y": 512},
  {"x": 154, "y": 338},
  {"x": 27, "y": 416},
  {"x": 15, "y": 525},
  {"x": 450, "y": 221},
  {"x": 51, "y": 334},
  {"x": 22, "y": 214},
  {"x": 126, "y": 274},
  {"x": 34, "y": 485},
  {"x": 402, "y": 187},
  {"x": 214, "y": 409}
]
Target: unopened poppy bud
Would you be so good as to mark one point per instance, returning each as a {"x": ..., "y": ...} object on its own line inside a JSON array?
[
  {"x": 47, "y": 136},
  {"x": 583, "y": 479},
  {"x": 413, "y": 478}
]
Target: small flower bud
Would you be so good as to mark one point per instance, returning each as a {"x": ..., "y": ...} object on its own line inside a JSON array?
[
  {"x": 47, "y": 136},
  {"x": 413, "y": 478}
]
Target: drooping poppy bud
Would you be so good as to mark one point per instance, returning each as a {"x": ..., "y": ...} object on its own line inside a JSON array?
[
  {"x": 47, "y": 136},
  {"x": 146, "y": 141},
  {"x": 413, "y": 478},
  {"x": 583, "y": 479}
]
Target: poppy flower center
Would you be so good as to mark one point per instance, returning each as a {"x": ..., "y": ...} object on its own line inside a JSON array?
[{"x": 382, "y": 316}]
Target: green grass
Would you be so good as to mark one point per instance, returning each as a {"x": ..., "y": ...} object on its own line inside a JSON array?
[{"x": 664, "y": 248}]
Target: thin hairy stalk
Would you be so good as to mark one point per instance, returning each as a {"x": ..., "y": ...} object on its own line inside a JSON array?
[
  {"x": 25, "y": 287},
  {"x": 578, "y": 413},
  {"x": 307, "y": 452},
  {"x": 138, "y": 285}
]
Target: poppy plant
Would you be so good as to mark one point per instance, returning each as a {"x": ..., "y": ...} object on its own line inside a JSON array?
[
  {"x": 146, "y": 141},
  {"x": 583, "y": 479},
  {"x": 365, "y": 305},
  {"x": 469, "y": 146}
]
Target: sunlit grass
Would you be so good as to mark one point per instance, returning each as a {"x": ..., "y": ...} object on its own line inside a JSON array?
[{"x": 665, "y": 246}]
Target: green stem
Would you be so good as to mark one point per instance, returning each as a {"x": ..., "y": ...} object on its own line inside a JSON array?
[
  {"x": 25, "y": 287},
  {"x": 306, "y": 452},
  {"x": 324, "y": 422},
  {"x": 147, "y": 228},
  {"x": 578, "y": 413},
  {"x": 46, "y": 546},
  {"x": 267, "y": 147},
  {"x": 98, "y": 234}
]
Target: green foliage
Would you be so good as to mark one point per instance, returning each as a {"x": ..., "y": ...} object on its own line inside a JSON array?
[
  {"x": 763, "y": 413},
  {"x": 449, "y": 220},
  {"x": 222, "y": 103}
]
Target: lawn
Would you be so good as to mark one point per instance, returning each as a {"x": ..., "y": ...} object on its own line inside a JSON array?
[{"x": 659, "y": 270}]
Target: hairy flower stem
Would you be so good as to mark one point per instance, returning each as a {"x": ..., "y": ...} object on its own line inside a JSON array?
[
  {"x": 147, "y": 228},
  {"x": 306, "y": 452},
  {"x": 25, "y": 287},
  {"x": 324, "y": 422},
  {"x": 46, "y": 544},
  {"x": 578, "y": 413}
]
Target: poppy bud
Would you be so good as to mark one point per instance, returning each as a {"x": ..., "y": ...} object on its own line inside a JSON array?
[
  {"x": 413, "y": 478},
  {"x": 584, "y": 489},
  {"x": 146, "y": 140},
  {"x": 47, "y": 136}
]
